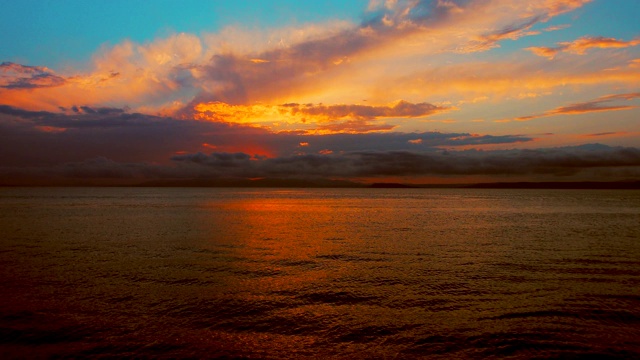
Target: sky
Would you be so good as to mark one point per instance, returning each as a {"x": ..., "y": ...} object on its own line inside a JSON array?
[{"x": 411, "y": 91}]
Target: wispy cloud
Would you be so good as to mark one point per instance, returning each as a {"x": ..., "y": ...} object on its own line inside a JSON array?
[
  {"x": 508, "y": 79},
  {"x": 581, "y": 45},
  {"x": 511, "y": 32},
  {"x": 608, "y": 133},
  {"x": 556, "y": 27},
  {"x": 596, "y": 105}
]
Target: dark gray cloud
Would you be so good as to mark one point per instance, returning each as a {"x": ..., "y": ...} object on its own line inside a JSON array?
[
  {"x": 402, "y": 141},
  {"x": 556, "y": 161},
  {"x": 597, "y": 162}
]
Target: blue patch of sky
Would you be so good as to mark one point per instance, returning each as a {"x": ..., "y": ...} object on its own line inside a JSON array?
[{"x": 60, "y": 33}]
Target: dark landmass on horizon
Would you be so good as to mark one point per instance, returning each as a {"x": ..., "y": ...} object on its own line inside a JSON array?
[
  {"x": 326, "y": 183},
  {"x": 559, "y": 185}
]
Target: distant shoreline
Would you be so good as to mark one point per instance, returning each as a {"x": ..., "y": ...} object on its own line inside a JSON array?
[{"x": 611, "y": 185}]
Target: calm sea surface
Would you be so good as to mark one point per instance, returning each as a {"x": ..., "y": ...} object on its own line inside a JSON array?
[{"x": 319, "y": 273}]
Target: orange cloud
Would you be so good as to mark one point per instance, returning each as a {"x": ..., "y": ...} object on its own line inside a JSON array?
[
  {"x": 558, "y": 7},
  {"x": 580, "y": 46},
  {"x": 125, "y": 74},
  {"x": 16, "y": 76},
  {"x": 508, "y": 79},
  {"x": 282, "y": 65},
  {"x": 351, "y": 127},
  {"x": 315, "y": 118}
]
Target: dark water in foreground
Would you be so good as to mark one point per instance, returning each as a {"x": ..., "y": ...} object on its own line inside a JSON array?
[{"x": 337, "y": 273}]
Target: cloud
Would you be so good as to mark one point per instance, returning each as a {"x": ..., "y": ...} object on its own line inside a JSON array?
[
  {"x": 16, "y": 76},
  {"x": 78, "y": 133},
  {"x": 347, "y": 142},
  {"x": 358, "y": 118},
  {"x": 508, "y": 79},
  {"x": 556, "y": 161},
  {"x": 300, "y": 64},
  {"x": 556, "y": 27},
  {"x": 608, "y": 133},
  {"x": 85, "y": 132},
  {"x": 402, "y": 109},
  {"x": 566, "y": 163},
  {"x": 111, "y": 143},
  {"x": 151, "y": 75},
  {"x": 351, "y": 127},
  {"x": 558, "y": 7},
  {"x": 511, "y": 32},
  {"x": 587, "y": 107},
  {"x": 315, "y": 118},
  {"x": 581, "y": 45}
]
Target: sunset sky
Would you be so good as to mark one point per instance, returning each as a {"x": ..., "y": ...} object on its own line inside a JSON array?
[{"x": 365, "y": 90}]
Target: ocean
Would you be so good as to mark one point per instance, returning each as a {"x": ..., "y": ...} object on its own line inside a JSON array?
[{"x": 319, "y": 273}]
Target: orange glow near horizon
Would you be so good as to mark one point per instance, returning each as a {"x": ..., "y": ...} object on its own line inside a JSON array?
[
  {"x": 271, "y": 117},
  {"x": 249, "y": 149},
  {"x": 51, "y": 129},
  {"x": 315, "y": 119}
]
